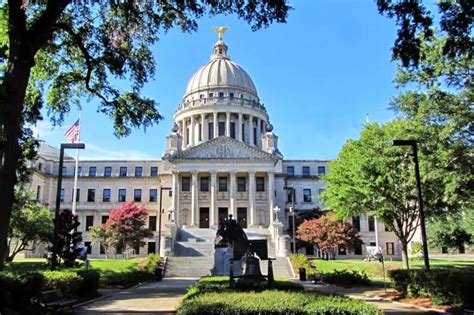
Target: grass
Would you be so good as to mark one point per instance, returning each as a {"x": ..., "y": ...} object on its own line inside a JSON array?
[{"x": 374, "y": 268}]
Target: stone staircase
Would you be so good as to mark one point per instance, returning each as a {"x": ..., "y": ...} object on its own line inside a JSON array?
[{"x": 194, "y": 254}]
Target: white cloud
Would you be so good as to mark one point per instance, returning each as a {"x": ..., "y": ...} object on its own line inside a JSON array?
[
  {"x": 95, "y": 152},
  {"x": 44, "y": 129}
]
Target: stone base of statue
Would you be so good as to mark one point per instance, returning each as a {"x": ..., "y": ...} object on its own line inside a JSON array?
[{"x": 222, "y": 257}]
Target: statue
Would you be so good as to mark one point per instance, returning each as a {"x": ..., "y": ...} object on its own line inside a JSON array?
[
  {"x": 220, "y": 30},
  {"x": 228, "y": 232}
]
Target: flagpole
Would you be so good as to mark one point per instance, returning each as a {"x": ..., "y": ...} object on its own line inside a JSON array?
[{"x": 74, "y": 192}]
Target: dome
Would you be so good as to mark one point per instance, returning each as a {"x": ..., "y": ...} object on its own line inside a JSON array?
[{"x": 221, "y": 73}]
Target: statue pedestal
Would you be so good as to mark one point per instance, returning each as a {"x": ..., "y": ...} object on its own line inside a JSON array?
[{"x": 222, "y": 258}]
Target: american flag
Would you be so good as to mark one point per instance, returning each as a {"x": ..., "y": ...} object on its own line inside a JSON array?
[{"x": 73, "y": 132}]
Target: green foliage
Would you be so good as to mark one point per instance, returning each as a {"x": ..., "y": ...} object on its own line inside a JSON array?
[
  {"x": 448, "y": 233},
  {"x": 299, "y": 261},
  {"x": 17, "y": 292},
  {"x": 445, "y": 286},
  {"x": 272, "y": 302},
  {"x": 150, "y": 263},
  {"x": 125, "y": 279},
  {"x": 346, "y": 277},
  {"x": 30, "y": 225},
  {"x": 416, "y": 248},
  {"x": 67, "y": 281},
  {"x": 68, "y": 239}
]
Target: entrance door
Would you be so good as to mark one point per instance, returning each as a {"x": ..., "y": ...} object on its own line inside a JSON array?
[
  {"x": 223, "y": 213},
  {"x": 242, "y": 217},
  {"x": 204, "y": 218}
]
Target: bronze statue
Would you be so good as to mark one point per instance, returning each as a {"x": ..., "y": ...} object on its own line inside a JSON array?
[{"x": 228, "y": 232}]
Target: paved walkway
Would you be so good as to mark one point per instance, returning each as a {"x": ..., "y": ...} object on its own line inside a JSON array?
[{"x": 152, "y": 298}]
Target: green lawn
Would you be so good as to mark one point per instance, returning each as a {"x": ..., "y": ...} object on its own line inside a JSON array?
[{"x": 374, "y": 268}]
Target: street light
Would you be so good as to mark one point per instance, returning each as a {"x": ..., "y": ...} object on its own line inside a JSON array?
[
  {"x": 293, "y": 213},
  {"x": 64, "y": 146},
  {"x": 159, "y": 216},
  {"x": 412, "y": 144}
]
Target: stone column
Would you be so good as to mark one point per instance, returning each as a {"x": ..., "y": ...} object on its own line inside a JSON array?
[
  {"x": 232, "y": 194},
  {"x": 191, "y": 132},
  {"x": 227, "y": 124},
  {"x": 213, "y": 210},
  {"x": 240, "y": 128},
  {"x": 271, "y": 194},
  {"x": 185, "y": 134},
  {"x": 204, "y": 128},
  {"x": 215, "y": 125},
  {"x": 194, "y": 199},
  {"x": 259, "y": 134},
  {"x": 252, "y": 205},
  {"x": 251, "y": 131},
  {"x": 175, "y": 192}
]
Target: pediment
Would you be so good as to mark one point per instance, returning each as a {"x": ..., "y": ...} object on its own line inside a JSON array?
[{"x": 223, "y": 148}]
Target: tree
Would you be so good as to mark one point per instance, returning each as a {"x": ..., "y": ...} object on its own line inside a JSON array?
[
  {"x": 30, "y": 226},
  {"x": 370, "y": 175},
  {"x": 328, "y": 234},
  {"x": 66, "y": 244},
  {"x": 415, "y": 23},
  {"x": 67, "y": 50},
  {"x": 104, "y": 237},
  {"x": 448, "y": 233},
  {"x": 126, "y": 225}
]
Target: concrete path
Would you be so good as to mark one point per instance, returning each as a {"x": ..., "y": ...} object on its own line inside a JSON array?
[
  {"x": 368, "y": 294},
  {"x": 152, "y": 298}
]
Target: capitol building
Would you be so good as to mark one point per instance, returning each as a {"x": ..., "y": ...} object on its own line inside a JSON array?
[{"x": 222, "y": 158}]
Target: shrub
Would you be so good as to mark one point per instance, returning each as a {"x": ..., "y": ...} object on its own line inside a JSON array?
[
  {"x": 221, "y": 284},
  {"x": 272, "y": 302},
  {"x": 150, "y": 263},
  {"x": 346, "y": 277},
  {"x": 299, "y": 261},
  {"x": 89, "y": 284},
  {"x": 16, "y": 293},
  {"x": 451, "y": 286},
  {"x": 66, "y": 281},
  {"x": 126, "y": 279}
]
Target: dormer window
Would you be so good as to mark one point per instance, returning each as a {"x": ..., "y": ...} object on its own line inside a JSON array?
[
  {"x": 221, "y": 94},
  {"x": 231, "y": 95},
  {"x": 211, "y": 94}
]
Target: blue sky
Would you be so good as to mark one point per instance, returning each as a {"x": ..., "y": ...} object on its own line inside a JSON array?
[{"x": 318, "y": 75}]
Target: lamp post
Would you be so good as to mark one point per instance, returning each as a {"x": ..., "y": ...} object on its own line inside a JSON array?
[
  {"x": 413, "y": 145},
  {"x": 64, "y": 146},
  {"x": 159, "y": 216},
  {"x": 293, "y": 213}
]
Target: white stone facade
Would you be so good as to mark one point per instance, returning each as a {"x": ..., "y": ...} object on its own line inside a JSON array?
[{"x": 222, "y": 159}]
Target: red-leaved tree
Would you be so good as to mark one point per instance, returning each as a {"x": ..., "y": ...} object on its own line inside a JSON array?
[
  {"x": 126, "y": 225},
  {"x": 328, "y": 234}
]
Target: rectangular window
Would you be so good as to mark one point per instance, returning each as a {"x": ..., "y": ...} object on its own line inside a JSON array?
[
  {"x": 92, "y": 171},
  {"x": 358, "y": 249},
  {"x": 137, "y": 195},
  {"x": 211, "y": 94},
  {"x": 79, "y": 169},
  {"x": 78, "y": 194},
  {"x": 151, "y": 248},
  {"x": 62, "y": 195},
  {"x": 221, "y": 94},
  {"x": 306, "y": 195},
  {"x": 138, "y": 171},
  {"x": 89, "y": 222},
  {"x": 320, "y": 191},
  {"x": 260, "y": 183},
  {"x": 290, "y": 170},
  {"x": 153, "y": 195},
  {"x": 390, "y": 248},
  {"x": 154, "y": 171},
  {"x": 187, "y": 135},
  {"x": 200, "y": 132},
  {"x": 152, "y": 223},
  {"x": 321, "y": 170},
  {"x": 254, "y": 135},
  {"x": 38, "y": 192},
  {"x": 243, "y": 132},
  {"x": 204, "y": 183},
  {"x": 241, "y": 184},
  {"x": 231, "y": 95},
  {"x": 88, "y": 245},
  {"x": 356, "y": 223},
  {"x": 371, "y": 222},
  {"x": 211, "y": 130},
  {"x": 221, "y": 127},
  {"x": 341, "y": 250},
  {"x": 108, "y": 171},
  {"x": 102, "y": 250},
  {"x": 123, "y": 171},
  {"x": 106, "y": 195},
  {"x": 118, "y": 250},
  {"x": 290, "y": 196},
  {"x": 64, "y": 171},
  {"x": 122, "y": 195},
  {"x": 232, "y": 130},
  {"x": 104, "y": 219},
  {"x": 91, "y": 195},
  {"x": 136, "y": 249},
  {"x": 306, "y": 171},
  {"x": 222, "y": 183},
  {"x": 185, "y": 183}
]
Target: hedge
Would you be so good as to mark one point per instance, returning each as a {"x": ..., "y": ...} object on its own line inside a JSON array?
[
  {"x": 272, "y": 302},
  {"x": 444, "y": 286},
  {"x": 346, "y": 277}
]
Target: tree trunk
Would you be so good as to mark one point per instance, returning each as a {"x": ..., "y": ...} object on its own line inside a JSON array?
[
  {"x": 12, "y": 95},
  {"x": 405, "y": 255}
]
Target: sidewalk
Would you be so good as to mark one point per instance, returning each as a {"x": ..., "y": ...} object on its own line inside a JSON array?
[
  {"x": 153, "y": 298},
  {"x": 368, "y": 294}
]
